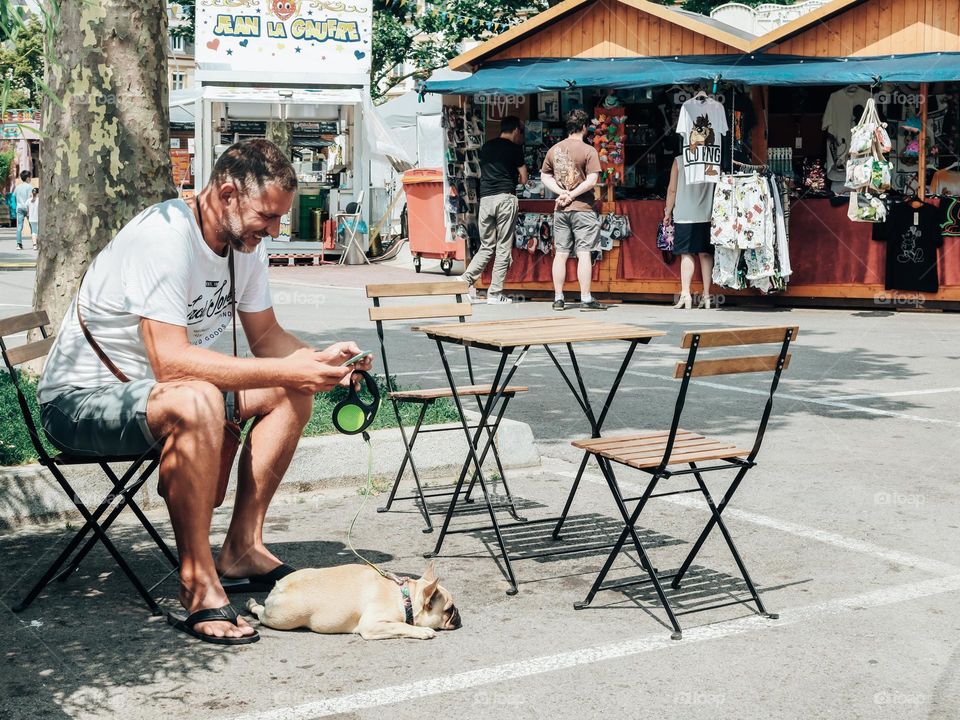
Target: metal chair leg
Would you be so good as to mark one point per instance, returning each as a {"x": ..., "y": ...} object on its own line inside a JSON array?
[
  {"x": 644, "y": 559},
  {"x": 707, "y": 529},
  {"x": 408, "y": 456}
]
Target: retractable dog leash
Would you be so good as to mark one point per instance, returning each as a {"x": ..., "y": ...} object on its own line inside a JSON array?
[{"x": 352, "y": 416}]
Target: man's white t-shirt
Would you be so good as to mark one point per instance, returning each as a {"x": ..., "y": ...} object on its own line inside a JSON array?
[
  {"x": 157, "y": 267},
  {"x": 702, "y": 122}
]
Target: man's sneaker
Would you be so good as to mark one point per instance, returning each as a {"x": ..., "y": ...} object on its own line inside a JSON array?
[
  {"x": 559, "y": 305},
  {"x": 592, "y": 305},
  {"x": 498, "y": 299},
  {"x": 471, "y": 290}
]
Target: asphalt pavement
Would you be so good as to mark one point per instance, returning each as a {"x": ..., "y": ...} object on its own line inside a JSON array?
[{"x": 849, "y": 527}]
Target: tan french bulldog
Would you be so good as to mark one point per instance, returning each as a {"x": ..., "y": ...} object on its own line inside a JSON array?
[{"x": 358, "y": 599}]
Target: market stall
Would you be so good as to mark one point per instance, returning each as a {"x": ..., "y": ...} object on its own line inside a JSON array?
[
  {"x": 789, "y": 98},
  {"x": 297, "y": 74}
]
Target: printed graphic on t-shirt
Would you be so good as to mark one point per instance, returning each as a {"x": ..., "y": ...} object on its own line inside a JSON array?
[
  {"x": 702, "y": 148},
  {"x": 565, "y": 170},
  {"x": 909, "y": 252},
  {"x": 209, "y": 305},
  {"x": 950, "y": 224}
]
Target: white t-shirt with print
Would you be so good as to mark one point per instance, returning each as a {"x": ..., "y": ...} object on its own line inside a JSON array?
[
  {"x": 157, "y": 267},
  {"x": 702, "y": 122},
  {"x": 843, "y": 111}
]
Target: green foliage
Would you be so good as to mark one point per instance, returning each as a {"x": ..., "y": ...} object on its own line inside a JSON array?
[
  {"x": 442, "y": 411},
  {"x": 6, "y": 160},
  {"x": 16, "y": 448},
  {"x": 188, "y": 11},
  {"x": 427, "y": 40},
  {"x": 21, "y": 64},
  {"x": 15, "y": 445}
]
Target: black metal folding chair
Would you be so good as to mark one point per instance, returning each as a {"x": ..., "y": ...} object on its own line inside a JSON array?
[
  {"x": 657, "y": 453},
  {"x": 425, "y": 398},
  {"x": 125, "y": 487}
]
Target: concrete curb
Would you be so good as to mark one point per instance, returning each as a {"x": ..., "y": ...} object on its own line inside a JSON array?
[{"x": 29, "y": 494}]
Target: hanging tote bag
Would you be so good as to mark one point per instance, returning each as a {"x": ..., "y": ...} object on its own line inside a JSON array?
[{"x": 863, "y": 135}]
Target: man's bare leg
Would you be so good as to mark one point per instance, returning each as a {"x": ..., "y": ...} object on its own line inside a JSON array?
[
  {"x": 190, "y": 415},
  {"x": 559, "y": 272},
  {"x": 584, "y": 272},
  {"x": 281, "y": 416}
]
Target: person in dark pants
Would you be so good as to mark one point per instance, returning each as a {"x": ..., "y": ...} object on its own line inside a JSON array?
[{"x": 501, "y": 168}]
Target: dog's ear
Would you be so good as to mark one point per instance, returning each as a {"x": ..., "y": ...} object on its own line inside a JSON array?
[{"x": 431, "y": 582}]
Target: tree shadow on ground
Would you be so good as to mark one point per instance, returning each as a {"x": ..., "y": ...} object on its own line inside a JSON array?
[{"x": 84, "y": 643}]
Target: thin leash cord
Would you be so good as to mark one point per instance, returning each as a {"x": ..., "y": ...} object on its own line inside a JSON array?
[{"x": 368, "y": 492}]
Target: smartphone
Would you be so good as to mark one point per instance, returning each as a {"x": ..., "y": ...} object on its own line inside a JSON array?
[{"x": 357, "y": 358}]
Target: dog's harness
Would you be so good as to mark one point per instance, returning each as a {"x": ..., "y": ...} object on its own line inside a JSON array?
[{"x": 404, "y": 592}]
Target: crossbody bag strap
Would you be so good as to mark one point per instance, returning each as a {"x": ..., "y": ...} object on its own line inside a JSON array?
[{"x": 94, "y": 344}]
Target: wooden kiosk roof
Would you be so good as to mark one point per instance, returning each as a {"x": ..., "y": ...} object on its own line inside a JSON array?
[{"x": 638, "y": 28}]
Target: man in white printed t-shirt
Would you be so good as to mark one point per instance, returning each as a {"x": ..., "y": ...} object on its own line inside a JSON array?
[{"x": 143, "y": 375}]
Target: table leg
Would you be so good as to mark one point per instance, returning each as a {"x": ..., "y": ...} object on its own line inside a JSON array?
[
  {"x": 596, "y": 424},
  {"x": 473, "y": 458}
]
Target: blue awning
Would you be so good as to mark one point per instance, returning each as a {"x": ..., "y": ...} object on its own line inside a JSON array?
[{"x": 531, "y": 75}]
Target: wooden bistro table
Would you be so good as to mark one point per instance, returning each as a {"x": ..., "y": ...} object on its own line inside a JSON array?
[{"x": 505, "y": 337}]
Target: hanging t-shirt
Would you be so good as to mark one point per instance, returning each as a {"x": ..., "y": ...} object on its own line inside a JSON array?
[
  {"x": 950, "y": 217},
  {"x": 702, "y": 122},
  {"x": 843, "y": 111},
  {"x": 945, "y": 182},
  {"x": 157, "y": 267},
  {"x": 913, "y": 236}
]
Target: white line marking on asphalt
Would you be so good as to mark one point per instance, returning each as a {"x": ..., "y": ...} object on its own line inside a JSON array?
[
  {"x": 829, "y": 538},
  {"x": 601, "y": 653},
  {"x": 902, "y": 393},
  {"x": 800, "y": 398}
]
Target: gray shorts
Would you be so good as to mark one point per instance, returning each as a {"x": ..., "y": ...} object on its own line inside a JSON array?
[
  {"x": 576, "y": 228},
  {"x": 107, "y": 420}
]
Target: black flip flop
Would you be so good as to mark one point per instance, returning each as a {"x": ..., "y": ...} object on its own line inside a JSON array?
[
  {"x": 257, "y": 583},
  {"x": 226, "y": 613}
]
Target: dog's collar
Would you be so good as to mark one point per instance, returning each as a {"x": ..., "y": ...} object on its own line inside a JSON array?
[{"x": 404, "y": 592}]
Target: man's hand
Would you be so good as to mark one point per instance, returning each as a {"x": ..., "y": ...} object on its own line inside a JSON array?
[
  {"x": 310, "y": 371},
  {"x": 340, "y": 352},
  {"x": 564, "y": 199}
]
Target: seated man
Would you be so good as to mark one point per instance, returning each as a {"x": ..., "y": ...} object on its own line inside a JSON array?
[{"x": 131, "y": 369}]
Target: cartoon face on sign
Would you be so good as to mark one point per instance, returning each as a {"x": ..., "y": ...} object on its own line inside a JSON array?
[{"x": 283, "y": 9}]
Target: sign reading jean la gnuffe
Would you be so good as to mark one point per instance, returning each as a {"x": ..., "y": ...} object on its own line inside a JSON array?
[{"x": 326, "y": 37}]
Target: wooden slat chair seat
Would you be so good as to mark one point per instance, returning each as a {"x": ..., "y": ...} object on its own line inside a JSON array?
[
  {"x": 125, "y": 487},
  {"x": 662, "y": 454},
  {"x": 435, "y": 301},
  {"x": 646, "y": 451}
]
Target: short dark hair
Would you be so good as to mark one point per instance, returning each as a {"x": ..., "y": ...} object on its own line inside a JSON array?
[
  {"x": 251, "y": 165},
  {"x": 576, "y": 121},
  {"x": 509, "y": 124},
  {"x": 24, "y": 175}
]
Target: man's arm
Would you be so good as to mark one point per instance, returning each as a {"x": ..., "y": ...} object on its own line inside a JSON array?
[
  {"x": 173, "y": 358},
  {"x": 550, "y": 183},
  {"x": 268, "y": 339},
  {"x": 523, "y": 174},
  {"x": 585, "y": 186}
]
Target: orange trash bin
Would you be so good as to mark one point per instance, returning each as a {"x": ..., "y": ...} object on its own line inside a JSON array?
[{"x": 428, "y": 235}]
